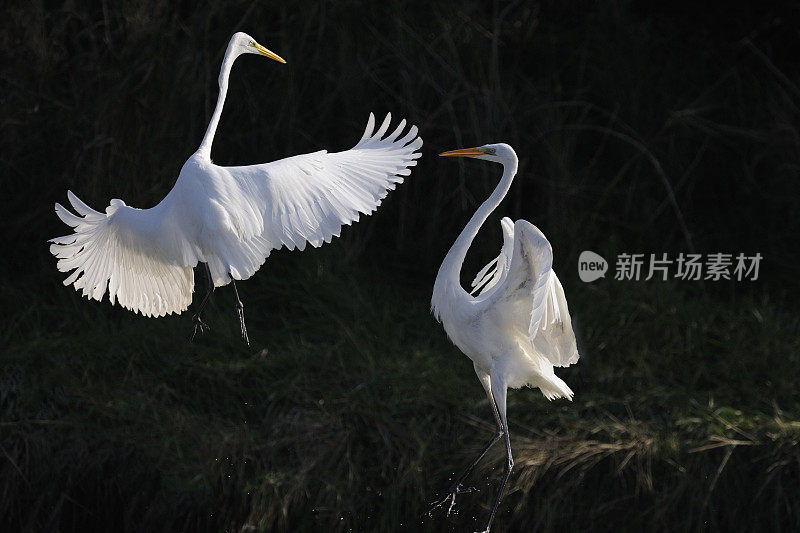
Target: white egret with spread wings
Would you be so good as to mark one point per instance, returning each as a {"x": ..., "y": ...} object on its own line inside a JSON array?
[
  {"x": 228, "y": 218},
  {"x": 517, "y": 327}
]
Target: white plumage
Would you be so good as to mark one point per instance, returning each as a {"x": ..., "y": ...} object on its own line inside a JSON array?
[
  {"x": 554, "y": 339},
  {"x": 517, "y": 327},
  {"x": 230, "y": 218}
]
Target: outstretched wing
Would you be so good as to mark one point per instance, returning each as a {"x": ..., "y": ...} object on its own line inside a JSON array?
[
  {"x": 142, "y": 259},
  {"x": 308, "y": 198},
  {"x": 531, "y": 283}
]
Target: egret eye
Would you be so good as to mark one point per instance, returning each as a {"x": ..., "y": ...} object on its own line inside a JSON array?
[
  {"x": 490, "y": 151},
  {"x": 252, "y": 43}
]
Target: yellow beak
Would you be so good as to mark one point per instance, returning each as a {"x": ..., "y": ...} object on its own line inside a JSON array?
[
  {"x": 264, "y": 52},
  {"x": 464, "y": 152}
]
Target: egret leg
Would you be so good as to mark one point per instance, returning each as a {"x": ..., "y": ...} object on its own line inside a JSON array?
[
  {"x": 240, "y": 313},
  {"x": 500, "y": 396},
  {"x": 198, "y": 323},
  {"x": 456, "y": 488}
]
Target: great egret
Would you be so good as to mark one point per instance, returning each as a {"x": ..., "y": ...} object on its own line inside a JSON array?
[
  {"x": 518, "y": 326},
  {"x": 228, "y": 218}
]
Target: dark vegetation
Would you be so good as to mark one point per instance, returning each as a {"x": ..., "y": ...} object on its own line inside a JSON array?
[{"x": 647, "y": 131}]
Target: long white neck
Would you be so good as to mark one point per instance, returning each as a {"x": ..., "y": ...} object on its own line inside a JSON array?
[
  {"x": 450, "y": 271},
  {"x": 224, "y": 74}
]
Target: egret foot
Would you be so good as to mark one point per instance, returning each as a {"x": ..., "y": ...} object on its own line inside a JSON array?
[
  {"x": 452, "y": 492},
  {"x": 240, "y": 313},
  {"x": 199, "y": 326},
  {"x": 197, "y": 322}
]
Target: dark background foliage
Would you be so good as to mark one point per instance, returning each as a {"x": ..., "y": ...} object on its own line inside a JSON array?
[{"x": 641, "y": 128}]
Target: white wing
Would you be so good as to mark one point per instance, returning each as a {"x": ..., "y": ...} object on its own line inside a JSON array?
[
  {"x": 497, "y": 267},
  {"x": 138, "y": 254},
  {"x": 555, "y": 337},
  {"x": 144, "y": 257},
  {"x": 531, "y": 281},
  {"x": 309, "y": 197}
]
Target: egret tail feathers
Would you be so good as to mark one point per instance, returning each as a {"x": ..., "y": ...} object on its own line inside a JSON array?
[{"x": 554, "y": 387}]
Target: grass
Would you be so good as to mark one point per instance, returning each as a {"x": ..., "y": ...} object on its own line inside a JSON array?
[
  {"x": 658, "y": 131},
  {"x": 335, "y": 422}
]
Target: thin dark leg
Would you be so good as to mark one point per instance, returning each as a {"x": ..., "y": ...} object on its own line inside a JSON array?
[
  {"x": 506, "y": 474},
  {"x": 240, "y": 312},
  {"x": 198, "y": 323},
  {"x": 455, "y": 488}
]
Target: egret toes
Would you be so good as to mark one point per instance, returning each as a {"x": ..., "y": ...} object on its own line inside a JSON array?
[
  {"x": 198, "y": 326},
  {"x": 240, "y": 314},
  {"x": 452, "y": 492}
]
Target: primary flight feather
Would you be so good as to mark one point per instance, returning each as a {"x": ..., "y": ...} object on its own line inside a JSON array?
[{"x": 229, "y": 218}]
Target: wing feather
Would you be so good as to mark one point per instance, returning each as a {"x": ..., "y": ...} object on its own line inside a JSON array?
[
  {"x": 123, "y": 252},
  {"x": 308, "y": 198},
  {"x": 555, "y": 336},
  {"x": 494, "y": 271},
  {"x": 531, "y": 280}
]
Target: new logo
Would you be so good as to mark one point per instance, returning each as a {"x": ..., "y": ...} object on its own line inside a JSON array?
[{"x": 591, "y": 266}]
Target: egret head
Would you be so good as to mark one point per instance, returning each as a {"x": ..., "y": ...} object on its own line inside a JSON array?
[
  {"x": 241, "y": 43},
  {"x": 499, "y": 153}
]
